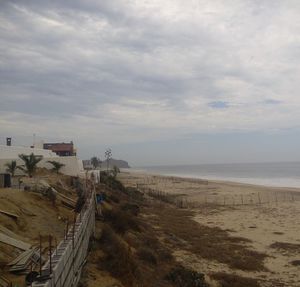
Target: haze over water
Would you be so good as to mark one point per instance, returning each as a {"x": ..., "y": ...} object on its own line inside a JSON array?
[{"x": 279, "y": 174}]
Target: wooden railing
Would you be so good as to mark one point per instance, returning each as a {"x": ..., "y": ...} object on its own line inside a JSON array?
[{"x": 63, "y": 269}]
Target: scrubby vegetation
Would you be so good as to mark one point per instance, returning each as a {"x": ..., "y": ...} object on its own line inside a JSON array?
[
  {"x": 211, "y": 243},
  {"x": 139, "y": 236},
  {"x": 121, "y": 220},
  {"x": 287, "y": 247},
  {"x": 147, "y": 255},
  {"x": 231, "y": 280},
  {"x": 183, "y": 277},
  {"x": 130, "y": 250},
  {"x": 107, "y": 178},
  {"x": 118, "y": 260}
]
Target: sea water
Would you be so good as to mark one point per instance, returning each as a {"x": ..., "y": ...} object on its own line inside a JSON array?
[{"x": 281, "y": 174}]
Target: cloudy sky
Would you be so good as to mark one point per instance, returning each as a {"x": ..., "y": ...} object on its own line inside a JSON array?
[{"x": 160, "y": 82}]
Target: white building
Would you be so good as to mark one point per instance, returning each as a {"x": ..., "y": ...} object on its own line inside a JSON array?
[{"x": 72, "y": 167}]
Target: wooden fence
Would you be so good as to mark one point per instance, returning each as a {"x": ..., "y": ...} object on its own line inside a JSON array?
[
  {"x": 258, "y": 198},
  {"x": 63, "y": 269}
]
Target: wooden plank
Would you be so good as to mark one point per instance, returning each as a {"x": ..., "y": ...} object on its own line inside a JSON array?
[
  {"x": 66, "y": 197},
  {"x": 14, "y": 216},
  {"x": 67, "y": 203},
  {"x": 14, "y": 242},
  {"x": 4, "y": 282},
  {"x": 9, "y": 232},
  {"x": 22, "y": 262},
  {"x": 19, "y": 258}
]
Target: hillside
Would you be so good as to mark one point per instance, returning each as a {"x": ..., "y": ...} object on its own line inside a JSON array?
[{"x": 116, "y": 162}]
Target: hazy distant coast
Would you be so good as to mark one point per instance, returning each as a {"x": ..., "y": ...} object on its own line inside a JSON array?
[{"x": 277, "y": 174}]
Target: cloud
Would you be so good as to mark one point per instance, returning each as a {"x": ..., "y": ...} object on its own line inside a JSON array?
[
  {"x": 130, "y": 71},
  {"x": 219, "y": 105}
]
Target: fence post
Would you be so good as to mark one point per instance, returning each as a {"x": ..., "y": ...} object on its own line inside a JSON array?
[
  {"x": 50, "y": 253},
  {"x": 40, "y": 254}
]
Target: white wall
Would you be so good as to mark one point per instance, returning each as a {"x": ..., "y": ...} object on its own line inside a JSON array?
[
  {"x": 72, "y": 167},
  {"x": 9, "y": 152}
]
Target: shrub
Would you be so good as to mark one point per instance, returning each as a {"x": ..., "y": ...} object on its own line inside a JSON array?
[
  {"x": 295, "y": 262},
  {"x": 183, "y": 277},
  {"x": 147, "y": 255},
  {"x": 232, "y": 280},
  {"x": 121, "y": 221},
  {"x": 112, "y": 182},
  {"x": 118, "y": 260},
  {"x": 132, "y": 208},
  {"x": 134, "y": 194},
  {"x": 112, "y": 197}
]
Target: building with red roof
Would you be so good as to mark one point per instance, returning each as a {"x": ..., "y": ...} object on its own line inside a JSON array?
[{"x": 61, "y": 149}]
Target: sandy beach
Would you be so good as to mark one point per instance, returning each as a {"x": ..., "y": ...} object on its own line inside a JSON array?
[{"x": 267, "y": 217}]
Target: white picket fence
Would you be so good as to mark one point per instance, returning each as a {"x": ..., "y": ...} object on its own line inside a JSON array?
[{"x": 68, "y": 258}]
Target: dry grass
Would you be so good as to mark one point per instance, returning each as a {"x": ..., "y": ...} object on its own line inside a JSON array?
[
  {"x": 119, "y": 260},
  {"x": 130, "y": 247},
  {"x": 231, "y": 280},
  {"x": 182, "y": 231},
  {"x": 176, "y": 230},
  {"x": 285, "y": 246},
  {"x": 120, "y": 220}
]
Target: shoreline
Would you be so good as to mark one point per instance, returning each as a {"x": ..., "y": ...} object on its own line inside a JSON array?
[{"x": 210, "y": 180}]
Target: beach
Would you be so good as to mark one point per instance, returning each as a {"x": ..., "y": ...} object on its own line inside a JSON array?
[{"x": 267, "y": 218}]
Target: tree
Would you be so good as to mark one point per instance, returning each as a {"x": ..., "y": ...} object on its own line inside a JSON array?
[
  {"x": 56, "y": 165},
  {"x": 30, "y": 163},
  {"x": 115, "y": 171},
  {"x": 95, "y": 162},
  {"x": 108, "y": 155},
  {"x": 11, "y": 167}
]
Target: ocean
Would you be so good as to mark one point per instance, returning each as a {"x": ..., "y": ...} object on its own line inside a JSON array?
[{"x": 279, "y": 174}]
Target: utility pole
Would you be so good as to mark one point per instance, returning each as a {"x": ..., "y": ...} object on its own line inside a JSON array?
[{"x": 108, "y": 155}]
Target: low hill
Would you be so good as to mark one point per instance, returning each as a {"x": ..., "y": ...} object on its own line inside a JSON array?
[{"x": 116, "y": 162}]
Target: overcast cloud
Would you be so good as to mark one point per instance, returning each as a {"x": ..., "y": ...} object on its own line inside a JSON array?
[{"x": 121, "y": 73}]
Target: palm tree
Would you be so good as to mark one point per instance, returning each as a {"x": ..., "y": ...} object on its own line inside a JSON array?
[
  {"x": 56, "y": 165},
  {"x": 30, "y": 163},
  {"x": 11, "y": 167}
]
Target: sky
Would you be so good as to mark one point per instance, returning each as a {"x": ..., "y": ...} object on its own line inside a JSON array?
[{"x": 159, "y": 82}]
